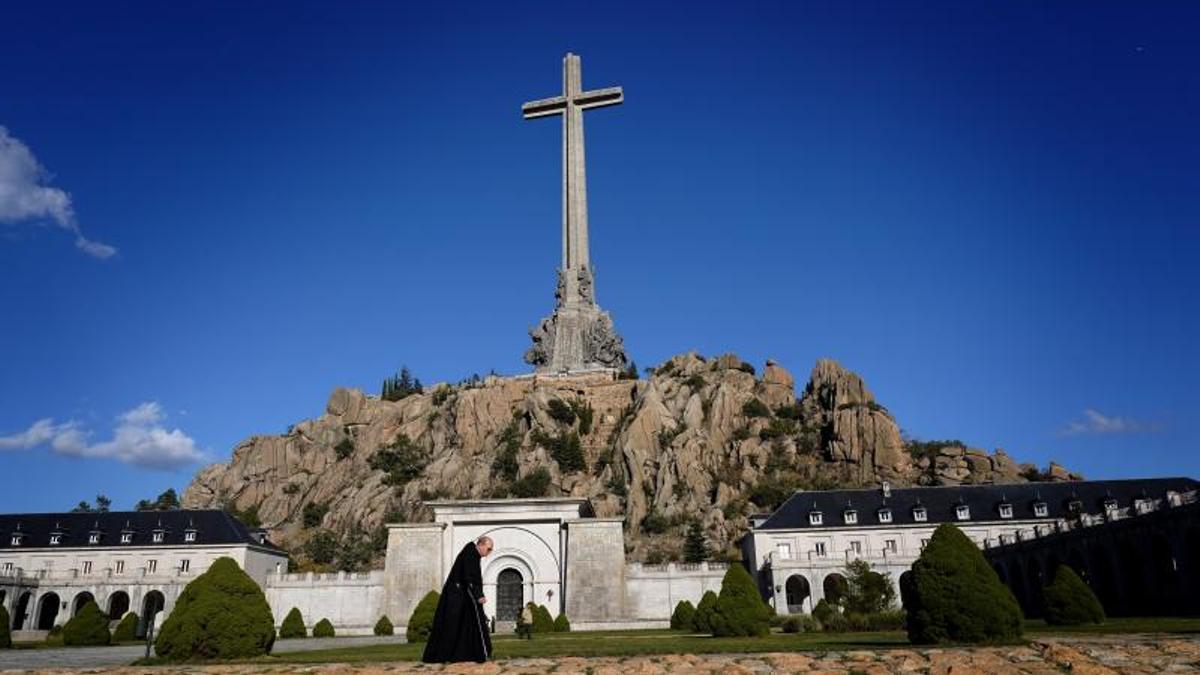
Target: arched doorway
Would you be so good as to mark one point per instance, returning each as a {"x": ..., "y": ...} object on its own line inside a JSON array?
[
  {"x": 1133, "y": 576},
  {"x": 510, "y": 594},
  {"x": 1104, "y": 582},
  {"x": 21, "y": 611},
  {"x": 1018, "y": 586},
  {"x": 47, "y": 611},
  {"x": 1036, "y": 582},
  {"x": 118, "y": 605},
  {"x": 797, "y": 591},
  {"x": 81, "y": 600},
  {"x": 905, "y": 583},
  {"x": 152, "y": 604},
  {"x": 835, "y": 587}
]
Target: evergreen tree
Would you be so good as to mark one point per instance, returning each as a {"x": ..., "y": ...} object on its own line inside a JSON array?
[
  {"x": 695, "y": 548},
  {"x": 88, "y": 628},
  {"x": 1069, "y": 601},
  {"x": 221, "y": 614},
  {"x": 867, "y": 591},
  {"x": 126, "y": 631},
  {"x": 562, "y": 624},
  {"x": 542, "y": 621},
  {"x": 323, "y": 629},
  {"x": 293, "y": 625},
  {"x": 5, "y": 632},
  {"x": 740, "y": 609},
  {"x": 953, "y": 595},
  {"x": 421, "y": 621},
  {"x": 702, "y": 619},
  {"x": 103, "y": 504},
  {"x": 681, "y": 618},
  {"x": 384, "y": 626}
]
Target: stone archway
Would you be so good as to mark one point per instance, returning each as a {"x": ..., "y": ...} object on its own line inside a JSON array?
[
  {"x": 510, "y": 594},
  {"x": 47, "y": 613},
  {"x": 1036, "y": 581},
  {"x": 152, "y": 604},
  {"x": 118, "y": 605},
  {"x": 835, "y": 587},
  {"x": 21, "y": 611},
  {"x": 797, "y": 592},
  {"x": 80, "y": 600}
]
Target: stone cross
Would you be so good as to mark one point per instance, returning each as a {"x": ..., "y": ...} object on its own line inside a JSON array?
[
  {"x": 571, "y": 105},
  {"x": 579, "y": 336}
]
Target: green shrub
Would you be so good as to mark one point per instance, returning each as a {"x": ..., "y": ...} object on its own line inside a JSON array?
[
  {"x": 739, "y": 609},
  {"x": 953, "y": 595},
  {"x": 823, "y": 611},
  {"x": 88, "y": 628},
  {"x": 560, "y": 412},
  {"x": 402, "y": 461},
  {"x": 542, "y": 621},
  {"x": 875, "y": 621},
  {"x": 126, "y": 630},
  {"x": 323, "y": 629},
  {"x": 867, "y": 591},
  {"x": 313, "y": 513},
  {"x": 1069, "y": 601},
  {"x": 836, "y": 623},
  {"x": 384, "y": 626},
  {"x": 293, "y": 625},
  {"x": 702, "y": 619},
  {"x": 755, "y": 408},
  {"x": 536, "y": 483},
  {"x": 5, "y": 632},
  {"x": 800, "y": 623},
  {"x": 681, "y": 618},
  {"x": 655, "y": 522},
  {"x": 695, "y": 546},
  {"x": 221, "y": 614},
  {"x": 421, "y": 621},
  {"x": 344, "y": 448},
  {"x": 565, "y": 448},
  {"x": 562, "y": 624}
]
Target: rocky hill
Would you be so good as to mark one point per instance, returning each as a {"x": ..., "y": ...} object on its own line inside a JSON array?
[{"x": 699, "y": 439}]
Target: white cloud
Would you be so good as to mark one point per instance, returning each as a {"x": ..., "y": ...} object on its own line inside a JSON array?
[
  {"x": 24, "y": 195},
  {"x": 1095, "y": 422},
  {"x": 139, "y": 438}
]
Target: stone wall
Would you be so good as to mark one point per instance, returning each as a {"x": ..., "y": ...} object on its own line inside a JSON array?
[
  {"x": 352, "y": 601},
  {"x": 413, "y": 568},
  {"x": 595, "y": 592},
  {"x": 652, "y": 591}
]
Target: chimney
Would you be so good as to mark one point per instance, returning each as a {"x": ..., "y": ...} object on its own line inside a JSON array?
[{"x": 887, "y": 489}]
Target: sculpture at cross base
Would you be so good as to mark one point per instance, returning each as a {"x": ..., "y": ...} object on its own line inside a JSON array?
[{"x": 579, "y": 336}]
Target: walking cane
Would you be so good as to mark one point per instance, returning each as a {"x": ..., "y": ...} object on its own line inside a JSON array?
[{"x": 478, "y": 622}]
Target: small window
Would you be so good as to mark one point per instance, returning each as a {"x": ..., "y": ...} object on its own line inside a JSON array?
[
  {"x": 94, "y": 538},
  {"x": 126, "y": 537},
  {"x": 189, "y": 536},
  {"x": 819, "y": 549},
  {"x": 1006, "y": 510},
  {"x": 87, "y": 566},
  {"x": 1075, "y": 506},
  {"x": 120, "y": 567},
  {"x": 962, "y": 512},
  {"x": 814, "y": 518},
  {"x": 1110, "y": 505},
  {"x": 924, "y": 543},
  {"x": 55, "y": 539},
  {"x": 885, "y": 515},
  {"x": 157, "y": 537},
  {"x": 1040, "y": 509},
  {"x": 185, "y": 565},
  {"x": 16, "y": 540},
  {"x": 1003, "y": 539},
  {"x": 784, "y": 550},
  {"x": 151, "y": 566},
  {"x": 889, "y": 545},
  {"x": 850, "y": 516},
  {"x": 920, "y": 515},
  {"x": 8, "y": 568},
  {"x": 856, "y": 547}
]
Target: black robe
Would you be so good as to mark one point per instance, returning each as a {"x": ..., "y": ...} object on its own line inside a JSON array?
[{"x": 459, "y": 630}]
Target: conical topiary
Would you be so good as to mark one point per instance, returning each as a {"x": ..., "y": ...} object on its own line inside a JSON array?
[
  {"x": 5, "y": 632},
  {"x": 702, "y": 619},
  {"x": 681, "y": 618},
  {"x": 323, "y": 629},
  {"x": 384, "y": 626},
  {"x": 953, "y": 595},
  {"x": 126, "y": 630},
  {"x": 542, "y": 621},
  {"x": 221, "y": 614},
  {"x": 740, "y": 609},
  {"x": 88, "y": 628},
  {"x": 421, "y": 621},
  {"x": 562, "y": 624},
  {"x": 293, "y": 625},
  {"x": 1069, "y": 601}
]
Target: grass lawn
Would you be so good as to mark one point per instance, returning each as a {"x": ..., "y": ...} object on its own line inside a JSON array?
[{"x": 1148, "y": 624}]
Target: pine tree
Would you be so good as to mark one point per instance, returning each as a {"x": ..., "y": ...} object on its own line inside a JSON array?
[
  {"x": 221, "y": 614},
  {"x": 293, "y": 625},
  {"x": 740, "y": 609},
  {"x": 1069, "y": 601},
  {"x": 695, "y": 547}
]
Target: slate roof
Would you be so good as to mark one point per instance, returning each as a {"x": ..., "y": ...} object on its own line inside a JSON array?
[
  {"x": 983, "y": 501},
  {"x": 210, "y": 526}
]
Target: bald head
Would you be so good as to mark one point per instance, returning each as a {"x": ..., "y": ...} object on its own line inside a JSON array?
[{"x": 484, "y": 546}]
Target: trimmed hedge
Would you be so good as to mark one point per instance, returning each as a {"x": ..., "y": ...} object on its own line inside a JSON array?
[
  {"x": 221, "y": 614},
  {"x": 542, "y": 621},
  {"x": 323, "y": 629},
  {"x": 562, "y": 624},
  {"x": 739, "y": 609},
  {"x": 681, "y": 618},
  {"x": 88, "y": 628},
  {"x": 801, "y": 623},
  {"x": 953, "y": 595},
  {"x": 384, "y": 626},
  {"x": 421, "y": 621},
  {"x": 293, "y": 625},
  {"x": 5, "y": 631},
  {"x": 823, "y": 611},
  {"x": 1069, "y": 601},
  {"x": 702, "y": 619},
  {"x": 126, "y": 631}
]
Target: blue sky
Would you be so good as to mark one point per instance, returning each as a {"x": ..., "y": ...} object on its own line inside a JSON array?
[{"x": 989, "y": 211}]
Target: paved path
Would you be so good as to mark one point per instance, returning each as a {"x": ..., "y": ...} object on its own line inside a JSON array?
[{"x": 95, "y": 657}]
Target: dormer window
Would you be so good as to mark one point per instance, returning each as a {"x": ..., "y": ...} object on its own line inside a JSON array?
[
  {"x": 850, "y": 516},
  {"x": 127, "y": 537},
  {"x": 157, "y": 536},
  {"x": 16, "y": 539},
  {"x": 1173, "y": 498},
  {"x": 93, "y": 538},
  {"x": 919, "y": 514},
  {"x": 1142, "y": 505},
  {"x": 962, "y": 512},
  {"x": 1006, "y": 510},
  {"x": 815, "y": 518},
  {"x": 1040, "y": 509},
  {"x": 189, "y": 536},
  {"x": 1075, "y": 506},
  {"x": 55, "y": 539},
  {"x": 885, "y": 515}
]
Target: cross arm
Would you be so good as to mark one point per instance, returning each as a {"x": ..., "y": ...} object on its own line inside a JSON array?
[
  {"x": 544, "y": 107},
  {"x": 597, "y": 98}
]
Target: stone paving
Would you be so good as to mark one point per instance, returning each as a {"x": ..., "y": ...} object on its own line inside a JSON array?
[{"x": 1106, "y": 655}]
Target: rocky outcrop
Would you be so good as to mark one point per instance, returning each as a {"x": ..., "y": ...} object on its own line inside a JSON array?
[{"x": 699, "y": 439}]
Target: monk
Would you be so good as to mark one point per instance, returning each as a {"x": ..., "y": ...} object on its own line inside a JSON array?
[{"x": 459, "y": 631}]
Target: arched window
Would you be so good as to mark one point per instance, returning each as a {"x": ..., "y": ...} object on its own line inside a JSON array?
[{"x": 797, "y": 590}]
